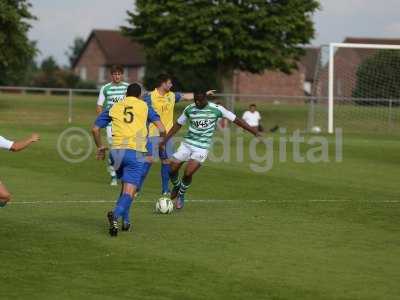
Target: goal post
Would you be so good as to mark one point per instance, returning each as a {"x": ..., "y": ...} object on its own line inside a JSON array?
[{"x": 356, "y": 81}]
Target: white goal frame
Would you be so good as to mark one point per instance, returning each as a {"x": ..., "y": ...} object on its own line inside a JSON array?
[{"x": 332, "y": 48}]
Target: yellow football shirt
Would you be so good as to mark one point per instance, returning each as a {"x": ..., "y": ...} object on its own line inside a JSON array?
[
  {"x": 129, "y": 124},
  {"x": 164, "y": 107}
]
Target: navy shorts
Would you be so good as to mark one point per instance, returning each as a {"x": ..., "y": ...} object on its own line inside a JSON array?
[
  {"x": 154, "y": 151},
  {"x": 128, "y": 165}
]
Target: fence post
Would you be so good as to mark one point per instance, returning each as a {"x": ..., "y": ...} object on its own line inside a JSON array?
[
  {"x": 390, "y": 115},
  {"x": 233, "y": 100},
  {"x": 69, "y": 106},
  {"x": 311, "y": 114}
]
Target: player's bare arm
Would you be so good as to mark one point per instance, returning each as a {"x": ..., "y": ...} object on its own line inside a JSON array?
[
  {"x": 161, "y": 128},
  {"x": 99, "y": 109},
  {"x": 171, "y": 133},
  {"x": 23, "y": 144},
  {"x": 243, "y": 124},
  {"x": 190, "y": 96},
  {"x": 101, "y": 150}
]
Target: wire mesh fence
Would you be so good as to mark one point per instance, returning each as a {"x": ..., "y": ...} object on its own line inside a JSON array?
[
  {"x": 364, "y": 84},
  {"x": 67, "y": 106}
]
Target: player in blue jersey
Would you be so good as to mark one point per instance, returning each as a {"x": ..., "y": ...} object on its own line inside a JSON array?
[{"x": 129, "y": 119}]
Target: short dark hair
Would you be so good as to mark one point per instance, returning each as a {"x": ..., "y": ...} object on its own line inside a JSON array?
[
  {"x": 162, "y": 78},
  {"x": 200, "y": 96},
  {"x": 252, "y": 105},
  {"x": 116, "y": 68},
  {"x": 134, "y": 90}
]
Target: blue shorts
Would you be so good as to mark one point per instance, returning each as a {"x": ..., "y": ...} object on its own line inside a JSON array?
[
  {"x": 154, "y": 151},
  {"x": 128, "y": 165}
]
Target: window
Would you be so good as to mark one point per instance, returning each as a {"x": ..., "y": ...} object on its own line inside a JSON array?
[
  {"x": 102, "y": 74},
  {"x": 83, "y": 73}
]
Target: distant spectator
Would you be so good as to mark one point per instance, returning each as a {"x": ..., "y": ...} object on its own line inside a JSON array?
[{"x": 253, "y": 117}]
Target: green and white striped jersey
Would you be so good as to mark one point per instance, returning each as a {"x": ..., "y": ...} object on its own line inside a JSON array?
[
  {"x": 202, "y": 123},
  {"x": 111, "y": 93}
]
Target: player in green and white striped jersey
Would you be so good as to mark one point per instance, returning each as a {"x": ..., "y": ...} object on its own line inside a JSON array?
[
  {"x": 202, "y": 117},
  {"x": 111, "y": 93}
]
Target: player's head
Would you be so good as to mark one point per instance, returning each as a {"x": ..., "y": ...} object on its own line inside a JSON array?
[
  {"x": 164, "y": 82},
  {"x": 134, "y": 90},
  {"x": 200, "y": 99},
  {"x": 252, "y": 107},
  {"x": 116, "y": 72}
]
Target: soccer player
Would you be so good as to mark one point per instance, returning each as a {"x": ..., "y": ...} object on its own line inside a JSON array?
[
  {"x": 110, "y": 94},
  {"x": 163, "y": 100},
  {"x": 5, "y": 196},
  {"x": 129, "y": 119},
  {"x": 202, "y": 116}
]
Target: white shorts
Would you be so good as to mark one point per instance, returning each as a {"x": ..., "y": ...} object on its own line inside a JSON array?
[{"x": 186, "y": 152}]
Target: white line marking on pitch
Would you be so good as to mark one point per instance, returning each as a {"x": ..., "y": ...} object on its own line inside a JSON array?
[{"x": 210, "y": 201}]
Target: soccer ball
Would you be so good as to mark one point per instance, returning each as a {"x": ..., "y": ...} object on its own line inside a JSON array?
[
  {"x": 316, "y": 129},
  {"x": 164, "y": 206}
]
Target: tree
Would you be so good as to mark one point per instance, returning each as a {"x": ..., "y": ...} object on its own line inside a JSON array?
[
  {"x": 378, "y": 78},
  {"x": 48, "y": 74},
  {"x": 49, "y": 65},
  {"x": 250, "y": 35},
  {"x": 16, "y": 51},
  {"x": 52, "y": 76},
  {"x": 185, "y": 79},
  {"x": 74, "y": 50}
]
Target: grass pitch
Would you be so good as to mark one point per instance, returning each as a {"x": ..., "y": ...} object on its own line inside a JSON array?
[{"x": 327, "y": 230}]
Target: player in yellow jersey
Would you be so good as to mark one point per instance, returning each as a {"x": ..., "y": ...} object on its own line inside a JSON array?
[
  {"x": 130, "y": 118},
  {"x": 163, "y": 100}
]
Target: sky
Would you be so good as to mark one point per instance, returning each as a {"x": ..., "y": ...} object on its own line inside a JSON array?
[{"x": 59, "y": 22}]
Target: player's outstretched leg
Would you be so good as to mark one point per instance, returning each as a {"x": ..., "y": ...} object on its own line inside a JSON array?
[
  {"x": 121, "y": 208},
  {"x": 145, "y": 171},
  {"x": 174, "y": 177},
  {"x": 126, "y": 220},
  {"x": 165, "y": 170},
  {"x": 148, "y": 162},
  {"x": 191, "y": 168}
]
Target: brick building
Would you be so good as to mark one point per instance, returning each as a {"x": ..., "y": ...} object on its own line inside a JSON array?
[{"x": 104, "y": 48}]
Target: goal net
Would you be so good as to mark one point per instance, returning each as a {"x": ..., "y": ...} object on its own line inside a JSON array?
[{"x": 357, "y": 88}]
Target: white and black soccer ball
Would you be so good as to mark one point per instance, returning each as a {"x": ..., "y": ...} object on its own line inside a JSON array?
[
  {"x": 164, "y": 205},
  {"x": 316, "y": 129}
]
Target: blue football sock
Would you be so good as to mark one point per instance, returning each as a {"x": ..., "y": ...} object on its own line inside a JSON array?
[
  {"x": 118, "y": 209},
  {"x": 122, "y": 205},
  {"x": 126, "y": 214},
  {"x": 165, "y": 169},
  {"x": 145, "y": 171}
]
